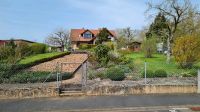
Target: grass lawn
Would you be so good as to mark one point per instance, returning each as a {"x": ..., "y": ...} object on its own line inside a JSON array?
[
  {"x": 159, "y": 62},
  {"x": 37, "y": 57}
]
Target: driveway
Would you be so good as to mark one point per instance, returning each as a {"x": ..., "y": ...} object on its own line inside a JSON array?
[{"x": 99, "y": 102}]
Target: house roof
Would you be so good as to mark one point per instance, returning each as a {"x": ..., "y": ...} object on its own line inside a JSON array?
[
  {"x": 76, "y": 34},
  {"x": 2, "y": 42},
  {"x": 17, "y": 40}
]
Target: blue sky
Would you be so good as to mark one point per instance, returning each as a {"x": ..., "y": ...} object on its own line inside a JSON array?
[{"x": 36, "y": 19}]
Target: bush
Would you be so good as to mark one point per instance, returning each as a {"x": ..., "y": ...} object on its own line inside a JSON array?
[
  {"x": 83, "y": 46},
  {"x": 38, "y": 48},
  {"x": 66, "y": 75},
  {"x": 93, "y": 74},
  {"x": 149, "y": 47},
  {"x": 86, "y": 46},
  {"x": 149, "y": 74},
  {"x": 124, "y": 60},
  {"x": 125, "y": 68},
  {"x": 186, "y": 50},
  {"x": 33, "y": 77},
  {"x": 23, "y": 49},
  {"x": 5, "y": 52},
  {"x": 29, "y": 77},
  {"x": 111, "y": 45},
  {"x": 192, "y": 73},
  {"x": 125, "y": 52},
  {"x": 160, "y": 73},
  {"x": 101, "y": 53},
  {"x": 115, "y": 74}
]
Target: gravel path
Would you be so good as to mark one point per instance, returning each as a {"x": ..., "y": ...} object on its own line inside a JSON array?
[
  {"x": 75, "y": 61},
  {"x": 51, "y": 65}
]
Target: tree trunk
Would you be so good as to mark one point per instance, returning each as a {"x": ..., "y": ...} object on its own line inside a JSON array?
[
  {"x": 169, "y": 49},
  {"x": 62, "y": 48}
]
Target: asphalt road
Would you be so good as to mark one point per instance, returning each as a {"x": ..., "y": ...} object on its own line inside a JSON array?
[{"x": 97, "y": 102}]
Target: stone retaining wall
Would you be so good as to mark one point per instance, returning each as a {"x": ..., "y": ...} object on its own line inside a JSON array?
[
  {"x": 142, "y": 89},
  {"x": 8, "y": 91}
]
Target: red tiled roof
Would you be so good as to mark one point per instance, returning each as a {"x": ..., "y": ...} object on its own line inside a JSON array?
[
  {"x": 76, "y": 34},
  {"x": 2, "y": 42}
]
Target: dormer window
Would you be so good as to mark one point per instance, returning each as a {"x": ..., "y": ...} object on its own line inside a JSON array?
[{"x": 87, "y": 35}]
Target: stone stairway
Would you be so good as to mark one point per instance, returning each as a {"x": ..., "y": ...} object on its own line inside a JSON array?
[{"x": 71, "y": 90}]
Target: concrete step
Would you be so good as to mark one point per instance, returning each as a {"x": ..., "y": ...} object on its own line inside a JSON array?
[
  {"x": 71, "y": 89},
  {"x": 71, "y": 93},
  {"x": 71, "y": 86}
]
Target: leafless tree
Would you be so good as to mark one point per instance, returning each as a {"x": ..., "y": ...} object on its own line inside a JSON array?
[
  {"x": 176, "y": 11},
  {"x": 127, "y": 33},
  {"x": 59, "y": 38}
]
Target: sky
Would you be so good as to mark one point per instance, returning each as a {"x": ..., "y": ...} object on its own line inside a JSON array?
[{"x": 35, "y": 19}]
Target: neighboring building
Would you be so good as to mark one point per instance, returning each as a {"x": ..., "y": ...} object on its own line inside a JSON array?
[
  {"x": 3, "y": 42},
  {"x": 159, "y": 47},
  {"x": 135, "y": 46},
  {"x": 55, "y": 48},
  {"x": 88, "y": 36},
  {"x": 16, "y": 41}
]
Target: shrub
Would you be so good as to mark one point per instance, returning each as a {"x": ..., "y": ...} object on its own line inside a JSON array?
[
  {"x": 28, "y": 77},
  {"x": 38, "y": 48},
  {"x": 33, "y": 77},
  {"x": 114, "y": 56},
  {"x": 111, "y": 45},
  {"x": 149, "y": 74},
  {"x": 115, "y": 74},
  {"x": 83, "y": 46},
  {"x": 101, "y": 53},
  {"x": 160, "y": 73},
  {"x": 123, "y": 60},
  {"x": 149, "y": 47},
  {"x": 125, "y": 51},
  {"x": 186, "y": 50},
  {"x": 192, "y": 73},
  {"x": 86, "y": 46},
  {"x": 23, "y": 49},
  {"x": 5, "y": 52},
  {"x": 125, "y": 68},
  {"x": 7, "y": 70}
]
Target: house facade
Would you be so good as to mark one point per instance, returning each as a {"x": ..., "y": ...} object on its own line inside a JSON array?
[{"x": 87, "y": 36}]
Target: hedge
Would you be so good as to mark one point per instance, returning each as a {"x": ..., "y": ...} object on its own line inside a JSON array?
[
  {"x": 38, "y": 48},
  {"x": 33, "y": 77},
  {"x": 40, "y": 58}
]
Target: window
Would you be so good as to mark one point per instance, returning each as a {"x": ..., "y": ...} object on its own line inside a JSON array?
[{"x": 87, "y": 35}]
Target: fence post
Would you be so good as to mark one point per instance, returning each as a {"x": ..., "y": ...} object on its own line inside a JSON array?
[
  {"x": 57, "y": 81},
  {"x": 198, "y": 86},
  {"x": 145, "y": 72},
  {"x": 86, "y": 74}
]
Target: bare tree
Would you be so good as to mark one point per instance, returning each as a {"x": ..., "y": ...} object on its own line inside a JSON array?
[
  {"x": 126, "y": 33},
  {"x": 59, "y": 38},
  {"x": 176, "y": 11}
]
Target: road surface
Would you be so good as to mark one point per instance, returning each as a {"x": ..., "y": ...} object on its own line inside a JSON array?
[{"x": 90, "y": 103}]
